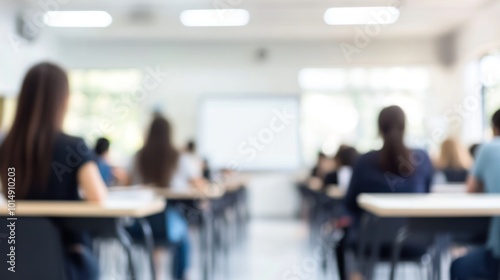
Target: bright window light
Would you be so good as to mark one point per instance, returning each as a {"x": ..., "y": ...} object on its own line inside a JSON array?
[
  {"x": 77, "y": 19},
  {"x": 322, "y": 79},
  {"x": 361, "y": 15},
  {"x": 215, "y": 17}
]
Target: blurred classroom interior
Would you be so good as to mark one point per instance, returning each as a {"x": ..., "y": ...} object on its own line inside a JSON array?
[{"x": 232, "y": 139}]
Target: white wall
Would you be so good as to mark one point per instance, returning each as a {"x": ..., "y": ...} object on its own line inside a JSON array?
[
  {"x": 480, "y": 34},
  {"x": 16, "y": 54},
  {"x": 197, "y": 70}
]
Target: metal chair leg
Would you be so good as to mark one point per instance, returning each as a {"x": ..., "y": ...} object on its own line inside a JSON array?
[
  {"x": 149, "y": 242},
  {"x": 363, "y": 240},
  {"x": 396, "y": 250},
  {"x": 126, "y": 242},
  {"x": 375, "y": 250}
]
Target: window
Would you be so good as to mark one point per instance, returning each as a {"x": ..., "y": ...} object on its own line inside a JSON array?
[
  {"x": 8, "y": 111},
  {"x": 100, "y": 105},
  {"x": 489, "y": 71},
  {"x": 341, "y": 105}
]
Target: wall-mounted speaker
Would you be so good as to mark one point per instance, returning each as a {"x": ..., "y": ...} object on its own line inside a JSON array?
[
  {"x": 262, "y": 55},
  {"x": 447, "y": 48},
  {"x": 28, "y": 27}
]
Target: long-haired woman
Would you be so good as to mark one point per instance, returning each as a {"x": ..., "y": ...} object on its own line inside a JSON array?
[
  {"x": 54, "y": 165},
  {"x": 454, "y": 161},
  {"x": 394, "y": 168},
  {"x": 160, "y": 164}
]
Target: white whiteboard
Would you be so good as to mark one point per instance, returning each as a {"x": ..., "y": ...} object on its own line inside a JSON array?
[{"x": 250, "y": 133}]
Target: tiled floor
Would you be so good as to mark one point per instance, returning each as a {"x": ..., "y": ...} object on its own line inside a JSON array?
[
  {"x": 274, "y": 250},
  {"x": 279, "y": 250}
]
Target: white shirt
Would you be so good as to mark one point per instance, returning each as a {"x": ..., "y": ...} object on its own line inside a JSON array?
[
  {"x": 187, "y": 169},
  {"x": 344, "y": 175}
]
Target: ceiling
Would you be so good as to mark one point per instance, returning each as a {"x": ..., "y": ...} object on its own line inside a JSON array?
[{"x": 270, "y": 20}]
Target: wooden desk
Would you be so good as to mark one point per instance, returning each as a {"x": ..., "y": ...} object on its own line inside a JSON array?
[
  {"x": 186, "y": 202},
  {"x": 101, "y": 219},
  {"x": 167, "y": 193},
  {"x": 334, "y": 192},
  {"x": 431, "y": 205},
  {"x": 449, "y": 188},
  {"x": 81, "y": 209},
  {"x": 191, "y": 194},
  {"x": 234, "y": 187},
  {"x": 437, "y": 215}
]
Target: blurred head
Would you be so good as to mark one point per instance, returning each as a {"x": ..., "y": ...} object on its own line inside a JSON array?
[
  {"x": 157, "y": 160},
  {"x": 191, "y": 146},
  {"x": 453, "y": 155},
  {"x": 395, "y": 157},
  {"x": 346, "y": 156},
  {"x": 495, "y": 121},
  {"x": 321, "y": 156},
  {"x": 473, "y": 149},
  {"x": 39, "y": 117},
  {"x": 101, "y": 146}
]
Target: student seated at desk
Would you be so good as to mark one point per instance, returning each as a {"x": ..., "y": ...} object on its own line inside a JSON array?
[
  {"x": 205, "y": 168},
  {"x": 483, "y": 263},
  {"x": 324, "y": 165},
  {"x": 453, "y": 162},
  {"x": 158, "y": 163},
  {"x": 344, "y": 161},
  {"x": 473, "y": 150},
  {"x": 102, "y": 150},
  {"x": 111, "y": 175},
  {"x": 393, "y": 169},
  {"x": 54, "y": 165},
  {"x": 195, "y": 160}
]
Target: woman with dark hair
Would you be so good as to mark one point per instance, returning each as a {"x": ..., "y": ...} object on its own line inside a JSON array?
[
  {"x": 323, "y": 166},
  {"x": 157, "y": 160},
  {"x": 55, "y": 166},
  {"x": 159, "y": 164},
  {"x": 393, "y": 169},
  {"x": 344, "y": 162}
]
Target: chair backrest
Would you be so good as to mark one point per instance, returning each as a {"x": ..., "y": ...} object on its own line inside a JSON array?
[
  {"x": 38, "y": 250},
  {"x": 159, "y": 228},
  {"x": 387, "y": 230}
]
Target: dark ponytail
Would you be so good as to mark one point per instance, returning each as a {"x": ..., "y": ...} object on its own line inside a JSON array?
[{"x": 395, "y": 157}]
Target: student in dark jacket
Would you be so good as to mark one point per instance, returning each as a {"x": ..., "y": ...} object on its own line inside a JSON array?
[
  {"x": 52, "y": 165},
  {"x": 392, "y": 169}
]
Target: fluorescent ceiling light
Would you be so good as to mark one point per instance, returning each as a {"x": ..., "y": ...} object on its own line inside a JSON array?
[
  {"x": 215, "y": 17},
  {"x": 361, "y": 15},
  {"x": 77, "y": 19}
]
